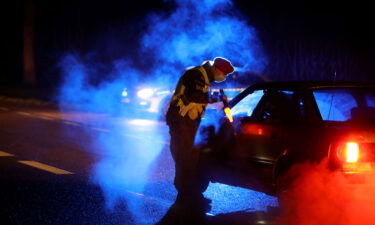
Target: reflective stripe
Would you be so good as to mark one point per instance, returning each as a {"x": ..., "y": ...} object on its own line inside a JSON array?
[
  {"x": 198, "y": 108},
  {"x": 205, "y": 76},
  {"x": 180, "y": 92},
  {"x": 181, "y": 89}
]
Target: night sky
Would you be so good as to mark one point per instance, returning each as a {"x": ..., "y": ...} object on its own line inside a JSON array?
[{"x": 336, "y": 35}]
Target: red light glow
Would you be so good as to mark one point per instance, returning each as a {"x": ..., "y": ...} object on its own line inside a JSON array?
[
  {"x": 321, "y": 196},
  {"x": 253, "y": 129},
  {"x": 351, "y": 152}
]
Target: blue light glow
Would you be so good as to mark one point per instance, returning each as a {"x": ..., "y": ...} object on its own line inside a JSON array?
[
  {"x": 124, "y": 93},
  {"x": 139, "y": 122},
  {"x": 202, "y": 30},
  {"x": 338, "y": 104},
  {"x": 196, "y": 31},
  {"x": 226, "y": 199},
  {"x": 145, "y": 93},
  {"x": 247, "y": 105}
]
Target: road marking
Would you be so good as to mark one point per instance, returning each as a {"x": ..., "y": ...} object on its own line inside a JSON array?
[
  {"x": 101, "y": 129},
  {"x": 5, "y": 154},
  {"x": 136, "y": 193},
  {"x": 148, "y": 198},
  {"x": 72, "y": 123},
  {"x": 24, "y": 113},
  {"x": 45, "y": 118},
  {"x": 45, "y": 167}
]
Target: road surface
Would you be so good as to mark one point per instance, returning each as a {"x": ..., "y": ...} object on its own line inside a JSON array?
[{"x": 60, "y": 166}]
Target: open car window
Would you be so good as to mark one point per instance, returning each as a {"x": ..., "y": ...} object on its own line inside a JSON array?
[
  {"x": 246, "y": 106},
  {"x": 270, "y": 106},
  {"x": 277, "y": 106}
]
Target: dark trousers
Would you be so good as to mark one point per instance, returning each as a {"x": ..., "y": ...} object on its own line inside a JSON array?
[{"x": 182, "y": 131}]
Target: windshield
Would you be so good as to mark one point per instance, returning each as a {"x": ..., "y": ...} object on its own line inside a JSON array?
[{"x": 345, "y": 104}]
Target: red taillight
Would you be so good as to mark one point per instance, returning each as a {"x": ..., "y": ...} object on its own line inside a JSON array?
[
  {"x": 351, "y": 152},
  {"x": 354, "y": 157},
  {"x": 348, "y": 152}
]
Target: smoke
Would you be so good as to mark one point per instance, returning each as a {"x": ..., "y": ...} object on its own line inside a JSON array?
[
  {"x": 196, "y": 31},
  {"x": 80, "y": 76},
  {"x": 202, "y": 30},
  {"x": 321, "y": 196}
]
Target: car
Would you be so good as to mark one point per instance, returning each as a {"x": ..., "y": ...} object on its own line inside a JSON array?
[
  {"x": 276, "y": 125},
  {"x": 152, "y": 101},
  {"x": 144, "y": 100}
]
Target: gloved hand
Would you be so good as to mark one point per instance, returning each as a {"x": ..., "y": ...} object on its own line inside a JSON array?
[
  {"x": 215, "y": 97},
  {"x": 185, "y": 108},
  {"x": 224, "y": 98}
]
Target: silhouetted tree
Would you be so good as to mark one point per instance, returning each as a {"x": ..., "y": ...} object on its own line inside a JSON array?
[{"x": 28, "y": 44}]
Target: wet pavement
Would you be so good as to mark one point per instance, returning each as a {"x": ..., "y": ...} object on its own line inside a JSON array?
[{"x": 98, "y": 169}]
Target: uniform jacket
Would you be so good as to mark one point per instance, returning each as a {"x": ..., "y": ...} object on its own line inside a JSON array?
[
  {"x": 193, "y": 88},
  {"x": 194, "y": 84}
]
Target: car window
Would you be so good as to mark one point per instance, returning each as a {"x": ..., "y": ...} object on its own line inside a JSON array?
[
  {"x": 345, "y": 104},
  {"x": 370, "y": 99},
  {"x": 246, "y": 106},
  {"x": 277, "y": 107}
]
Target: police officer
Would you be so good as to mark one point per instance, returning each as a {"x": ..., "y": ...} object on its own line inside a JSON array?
[{"x": 183, "y": 118}]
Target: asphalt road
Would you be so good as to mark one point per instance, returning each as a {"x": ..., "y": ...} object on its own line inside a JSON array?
[{"x": 75, "y": 167}]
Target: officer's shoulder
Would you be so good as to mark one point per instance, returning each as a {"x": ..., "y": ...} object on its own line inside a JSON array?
[{"x": 193, "y": 69}]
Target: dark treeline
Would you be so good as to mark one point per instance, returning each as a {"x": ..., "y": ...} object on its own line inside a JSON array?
[
  {"x": 303, "y": 41},
  {"x": 314, "y": 40}
]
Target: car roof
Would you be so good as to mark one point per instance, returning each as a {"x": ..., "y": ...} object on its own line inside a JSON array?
[
  {"x": 300, "y": 86},
  {"x": 293, "y": 85}
]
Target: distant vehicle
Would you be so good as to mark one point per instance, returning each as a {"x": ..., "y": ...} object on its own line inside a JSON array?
[
  {"x": 279, "y": 124},
  {"x": 144, "y": 100},
  {"x": 150, "y": 100}
]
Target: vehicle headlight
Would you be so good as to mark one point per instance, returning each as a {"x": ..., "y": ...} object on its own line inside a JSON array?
[
  {"x": 145, "y": 93},
  {"x": 124, "y": 93}
]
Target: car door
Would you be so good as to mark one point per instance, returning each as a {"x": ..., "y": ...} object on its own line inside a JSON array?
[{"x": 261, "y": 137}]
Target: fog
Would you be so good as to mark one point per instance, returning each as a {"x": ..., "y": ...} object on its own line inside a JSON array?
[
  {"x": 321, "y": 196},
  {"x": 196, "y": 31}
]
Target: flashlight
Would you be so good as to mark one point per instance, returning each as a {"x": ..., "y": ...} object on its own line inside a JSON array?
[{"x": 226, "y": 106}]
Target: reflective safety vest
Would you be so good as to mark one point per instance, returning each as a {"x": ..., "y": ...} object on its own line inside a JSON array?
[{"x": 194, "y": 109}]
